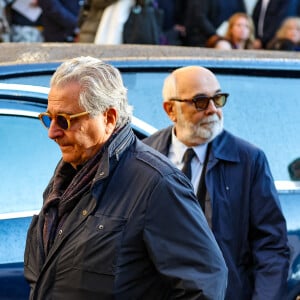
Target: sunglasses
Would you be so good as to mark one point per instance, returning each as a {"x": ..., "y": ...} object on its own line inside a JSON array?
[
  {"x": 201, "y": 102},
  {"x": 62, "y": 120}
]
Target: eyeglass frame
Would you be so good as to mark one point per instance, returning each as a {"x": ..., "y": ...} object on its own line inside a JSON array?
[
  {"x": 208, "y": 98},
  {"x": 68, "y": 118}
]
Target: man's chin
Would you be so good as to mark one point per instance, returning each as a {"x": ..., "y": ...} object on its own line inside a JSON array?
[
  {"x": 67, "y": 157},
  {"x": 209, "y": 135}
]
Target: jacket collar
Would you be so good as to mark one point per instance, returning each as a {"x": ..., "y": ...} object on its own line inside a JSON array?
[
  {"x": 113, "y": 149},
  {"x": 224, "y": 147}
]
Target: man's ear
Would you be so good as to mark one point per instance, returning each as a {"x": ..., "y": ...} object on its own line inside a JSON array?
[
  {"x": 111, "y": 119},
  {"x": 170, "y": 109}
]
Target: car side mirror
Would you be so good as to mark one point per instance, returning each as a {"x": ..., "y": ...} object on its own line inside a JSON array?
[{"x": 294, "y": 169}]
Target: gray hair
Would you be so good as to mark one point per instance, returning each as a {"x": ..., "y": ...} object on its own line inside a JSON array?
[{"x": 101, "y": 86}]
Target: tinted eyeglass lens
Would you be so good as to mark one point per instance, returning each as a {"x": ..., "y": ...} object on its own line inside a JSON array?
[
  {"x": 46, "y": 120},
  {"x": 201, "y": 103},
  {"x": 219, "y": 100},
  {"x": 62, "y": 122}
]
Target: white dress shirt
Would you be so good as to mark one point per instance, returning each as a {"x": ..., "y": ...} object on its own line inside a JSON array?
[
  {"x": 176, "y": 152},
  {"x": 264, "y": 6}
]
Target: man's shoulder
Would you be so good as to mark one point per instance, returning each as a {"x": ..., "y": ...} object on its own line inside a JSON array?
[
  {"x": 238, "y": 141},
  {"x": 234, "y": 148},
  {"x": 154, "y": 159},
  {"x": 160, "y": 134},
  {"x": 160, "y": 140}
]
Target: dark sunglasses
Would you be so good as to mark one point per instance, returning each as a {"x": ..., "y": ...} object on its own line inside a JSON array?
[
  {"x": 62, "y": 120},
  {"x": 201, "y": 102}
]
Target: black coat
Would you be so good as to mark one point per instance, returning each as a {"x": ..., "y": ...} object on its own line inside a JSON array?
[
  {"x": 59, "y": 19},
  {"x": 276, "y": 12},
  {"x": 200, "y": 20},
  {"x": 227, "y": 8}
]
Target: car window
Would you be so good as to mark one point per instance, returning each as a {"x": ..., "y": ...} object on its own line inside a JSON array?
[
  {"x": 261, "y": 109},
  {"x": 290, "y": 206},
  {"x": 265, "y": 111},
  {"x": 28, "y": 158},
  {"x": 144, "y": 94}
]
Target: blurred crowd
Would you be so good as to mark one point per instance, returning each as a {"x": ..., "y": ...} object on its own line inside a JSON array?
[{"x": 230, "y": 24}]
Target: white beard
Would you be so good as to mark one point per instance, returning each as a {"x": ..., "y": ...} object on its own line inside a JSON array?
[{"x": 203, "y": 132}]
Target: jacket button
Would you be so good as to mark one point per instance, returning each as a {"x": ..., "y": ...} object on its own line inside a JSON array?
[
  {"x": 84, "y": 212},
  {"x": 60, "y": 232},
  {"x": 101, "y": 227}
]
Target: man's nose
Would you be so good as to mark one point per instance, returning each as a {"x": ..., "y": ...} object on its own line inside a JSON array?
[
  {"x": 211, "y": 108},
  {"x": 54, "y": 130}
]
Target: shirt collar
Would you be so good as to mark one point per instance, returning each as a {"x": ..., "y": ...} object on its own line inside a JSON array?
[{"x": 178, "y": 149}]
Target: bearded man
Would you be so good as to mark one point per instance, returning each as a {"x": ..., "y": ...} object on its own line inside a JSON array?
[{"x": 232, "y": 181}]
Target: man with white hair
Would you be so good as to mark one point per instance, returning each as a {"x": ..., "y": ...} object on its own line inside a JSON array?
[{"x": 118, "y": 221}]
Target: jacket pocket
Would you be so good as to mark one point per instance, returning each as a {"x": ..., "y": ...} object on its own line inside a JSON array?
[{"x": 96, "y": 247}]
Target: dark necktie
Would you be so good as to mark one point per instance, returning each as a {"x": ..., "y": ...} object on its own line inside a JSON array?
[
  {"x": 202, "y": 192},
  {"x": 187, "y": 158}
]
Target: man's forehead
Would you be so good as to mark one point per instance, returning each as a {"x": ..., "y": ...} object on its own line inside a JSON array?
[{"x": 198, "y": 86}]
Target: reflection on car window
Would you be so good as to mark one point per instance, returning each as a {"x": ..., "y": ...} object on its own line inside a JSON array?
[
  {"x": 290, "y": 207},
  {"x": 28, "y": 158},
  {"x": 263, "y": 110},
  {"x": 144, "y": 93}
]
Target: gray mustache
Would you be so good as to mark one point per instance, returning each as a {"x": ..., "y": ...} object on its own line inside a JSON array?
[{"x": 213, "y": 118}]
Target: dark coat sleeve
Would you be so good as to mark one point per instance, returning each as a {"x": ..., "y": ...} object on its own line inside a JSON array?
[
  {"x": 199, "y": 21},
  {"x": 248, "y": 222},
  {"x": 268, "y": 235},
  {"x": 183, "y": 249},
  {"x": 59, "y": 13}
]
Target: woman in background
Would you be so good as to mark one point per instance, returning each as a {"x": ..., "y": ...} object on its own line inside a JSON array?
[
  {"x": 287, "y": 36},
  {"x": 240, "y": 31}
]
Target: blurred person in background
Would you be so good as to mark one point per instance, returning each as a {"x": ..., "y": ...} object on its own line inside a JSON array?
[
  {"x": 267, "y": 17},
  {"x": 240, "y": 31},
  {"x": 26, "y": 22},
  {"x": 227, "y": 8},
  {"x": 287, "y": 37},
  {"x": 173, "y": 28},
  {"x": 218, "y": 42},
  {"x": 110, "y": 28},
  {"x": 90, "y": 17},
  {"x": 199, "y": 21},
  {"x": 60, "y": 20},
  {"x": 202, "y": 19},
  {"x": 4, "y": 21}
]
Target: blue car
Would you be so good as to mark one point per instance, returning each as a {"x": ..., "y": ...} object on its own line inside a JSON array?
[{"x": 263, "y": 107}]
